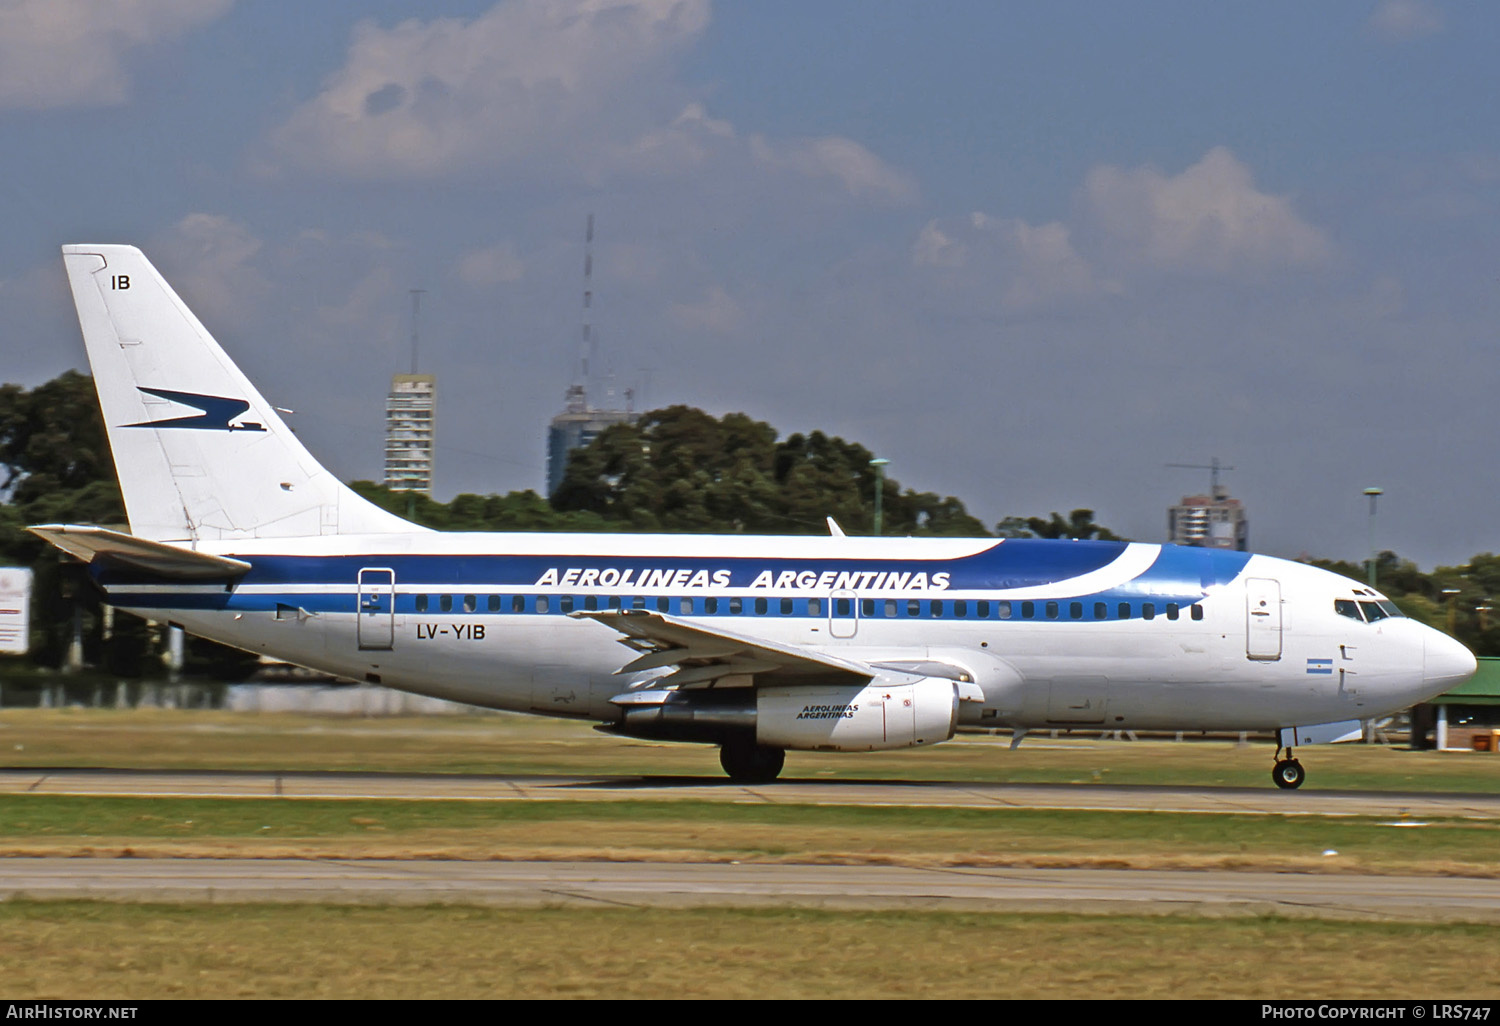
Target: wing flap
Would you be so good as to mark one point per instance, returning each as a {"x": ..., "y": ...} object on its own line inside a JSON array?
[
  {"x": 154, "y": 557},
  {"x": 703, "y": 655}
]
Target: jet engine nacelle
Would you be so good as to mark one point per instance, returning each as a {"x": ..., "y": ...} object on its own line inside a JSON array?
[{"x": 865, "y": 718}]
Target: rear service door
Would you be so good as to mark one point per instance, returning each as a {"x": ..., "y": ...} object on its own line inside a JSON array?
[{"x": 377, "y": 608}]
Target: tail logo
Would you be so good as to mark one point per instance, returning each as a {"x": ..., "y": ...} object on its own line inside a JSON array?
[{"x": 216, "y": 416}]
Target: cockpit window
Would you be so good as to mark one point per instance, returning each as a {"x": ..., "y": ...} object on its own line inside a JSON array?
[
  {"x": 1373, "y": 611},
  {"x": 1347, "y": 607},
  {"x": 1390, "y": 608}
]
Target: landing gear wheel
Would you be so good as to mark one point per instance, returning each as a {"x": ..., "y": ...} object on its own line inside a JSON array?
[
  {"x": 750, "y": 763},
  {"x": 1288, "y": 774}
]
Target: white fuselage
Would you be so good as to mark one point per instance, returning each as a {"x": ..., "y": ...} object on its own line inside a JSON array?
[{"x": 1059, "y": 634}]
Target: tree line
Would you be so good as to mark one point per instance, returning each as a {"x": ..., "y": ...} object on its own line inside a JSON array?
[{"x": 674, "y": 470}]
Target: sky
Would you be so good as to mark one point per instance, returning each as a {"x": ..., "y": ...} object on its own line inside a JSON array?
[{"x": 1030, "y": 253}]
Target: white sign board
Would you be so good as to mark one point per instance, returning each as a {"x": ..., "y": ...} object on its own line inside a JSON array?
[{"x": 15, "y": 609}]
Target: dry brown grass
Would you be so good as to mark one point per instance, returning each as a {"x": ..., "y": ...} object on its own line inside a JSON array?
[{"x": 258, "y": 951}]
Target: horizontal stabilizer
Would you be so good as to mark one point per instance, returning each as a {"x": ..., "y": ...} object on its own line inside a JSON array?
[{"x": 91, "y": 543}]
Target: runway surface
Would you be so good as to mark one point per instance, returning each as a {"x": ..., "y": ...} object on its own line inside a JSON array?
[
  {"x": 634, "y": 884},
  {"x": 1245, "y": 801},
  {"x": 690, "y": 884}
]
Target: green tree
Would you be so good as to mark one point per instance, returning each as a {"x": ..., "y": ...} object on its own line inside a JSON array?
[
  {"x": 679, "y": 469},
  {"x": 1080, "y": 524}
]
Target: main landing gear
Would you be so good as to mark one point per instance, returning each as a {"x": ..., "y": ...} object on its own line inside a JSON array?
[
  {"x": 1288, "y": 773},
  {"x": 749, "y": 763}
]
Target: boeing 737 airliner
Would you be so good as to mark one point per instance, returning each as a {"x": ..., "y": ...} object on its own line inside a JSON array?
[{"x": 755, "y": 644}]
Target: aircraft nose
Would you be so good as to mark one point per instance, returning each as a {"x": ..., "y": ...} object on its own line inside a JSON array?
[{"x": 1446, "y": 662}]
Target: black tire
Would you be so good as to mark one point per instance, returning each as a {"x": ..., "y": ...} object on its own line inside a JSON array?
[
  {"x": 1288, "y": 774},
  {"x": 750, "y": 763}
]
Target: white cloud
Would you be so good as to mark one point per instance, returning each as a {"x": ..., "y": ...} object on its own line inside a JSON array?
[
  {"x": 1210, "y": 217},
  {"x": 1028, "y": 266},
  {"x": 1401, "y": 20},
  {"x": 580, "y": 88},
  {"x": 716, "y": 312},
  {"x": 213, "y": 270},
  {"x": 860, "y": 172},
  {"x": 60, "y": 53},
  {"x": 426, "y": 99},
  {"x": 937, "y": 248},
  {"x": 493, "y": 265}
]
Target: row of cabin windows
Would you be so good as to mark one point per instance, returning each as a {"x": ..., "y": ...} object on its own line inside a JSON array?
[{"x": 711, "y": 605}]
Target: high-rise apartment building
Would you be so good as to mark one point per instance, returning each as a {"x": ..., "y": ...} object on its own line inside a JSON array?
[
  {"x": 410, "y": 413},
  {"x": 1213, "y": 521},
  {"x": 577, "y": 426}
]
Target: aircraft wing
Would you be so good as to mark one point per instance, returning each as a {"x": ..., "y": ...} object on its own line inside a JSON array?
[
  {"x": 91, "y": 543},
  {"x": 704, "y": 657}
]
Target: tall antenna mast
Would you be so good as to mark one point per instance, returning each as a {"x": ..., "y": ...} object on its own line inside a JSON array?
[
  {"x": 588, "y": 300},
  {"x": 416, "y": 307}
]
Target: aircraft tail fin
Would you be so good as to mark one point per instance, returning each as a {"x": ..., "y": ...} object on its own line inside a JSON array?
[{"x": 199, "y": 452}]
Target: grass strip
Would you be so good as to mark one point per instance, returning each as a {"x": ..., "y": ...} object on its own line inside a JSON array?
[
  {"x": 688, "y": 830},
  {"x": 512, "y": 744},
  {"x": 77, "y": 950}
]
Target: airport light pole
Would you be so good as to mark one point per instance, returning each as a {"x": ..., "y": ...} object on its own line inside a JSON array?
[
  {"x": 1373, "y": 493},
  {"x": 879, "y": 465},
  {"x": 1451, "y": 596}
]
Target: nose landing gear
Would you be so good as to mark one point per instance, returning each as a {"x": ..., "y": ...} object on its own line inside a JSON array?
[{"x": 1287, "y": 773}]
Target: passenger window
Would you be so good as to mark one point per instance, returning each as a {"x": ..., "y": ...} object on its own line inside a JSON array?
[
  {"x": 937, "y": 607},
  {"x": 591, "y": 602},
  {"x": 493, "y": 602},
  {"x": 890, "y": 607},
  {"x": 1100, "y": 610},
  {"x": 1028, "y": 610},
  {"x": 445, "y": 603},
  {"x": 960, "y": 608},
  {"x": 843, "y": 606},
  {"x": 1052, "y": 610},
  {"x": 663, "y": 605},
  {"x": 1171, "y": 610},
  {"x": 518, "y": 603},
  {"x": 814, "y": 607},
  {"x": 711, "y": 605},
  {"x": 1124, "y": 610},
  {"x": 613, "y": 602},
  {"x": 913, "y": 607},
  {"x": 866, "y": 607},
  {"x": 471, "y": 603},
  {"x": 1003, "y": 609},
  {"x": 1347, "y": 607},
  {"x": 565, "y": 604},
  {"x": 982, "y": 610},
  {"x": 639, "y": 602},
  {"x": 1148, "y": 610},
  {"x": 786, "y": 607},
  {"x": 736, "y": 606},
  {"x": 1197, "y": 612},
  {"x": 1075, "y": 610},
  {"x": 761, "y": 606},
  {"x": 685, "y": 607},
  {"x": 421, "y": 603},
  {"x": 542, "y": 604}
]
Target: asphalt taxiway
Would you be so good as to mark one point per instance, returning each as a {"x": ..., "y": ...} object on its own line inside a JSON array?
[
  {"x": 392, "y": 881},
  {"x": 1308, "y": 801},
  {"x": 682, "y": 885}
]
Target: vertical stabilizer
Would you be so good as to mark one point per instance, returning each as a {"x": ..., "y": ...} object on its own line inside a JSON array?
[{"x": 199, "y": 453}]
